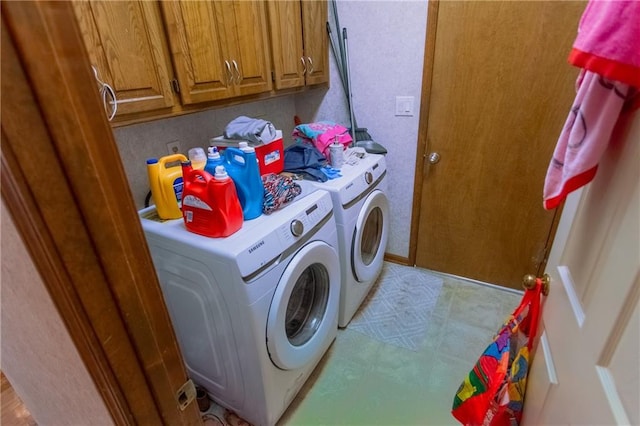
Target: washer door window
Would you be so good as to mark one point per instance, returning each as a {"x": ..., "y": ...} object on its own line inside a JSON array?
[
  {"x": 370, "y": 237},
  {"x": 304, "y": 309}
]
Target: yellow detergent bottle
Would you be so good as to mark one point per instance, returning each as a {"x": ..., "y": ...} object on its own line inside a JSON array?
[{"x": 165, "y": 180}]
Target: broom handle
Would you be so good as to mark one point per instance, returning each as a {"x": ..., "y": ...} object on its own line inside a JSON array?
[
  {"x": 334, "y": 5},
  {"x": 338, "y": 58},
  {"x": 350, "y": 93}
]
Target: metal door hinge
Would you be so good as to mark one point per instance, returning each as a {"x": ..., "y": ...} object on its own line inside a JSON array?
[
  {"x": 175, "y": 85},
  {"x": 186, "y": 394}
]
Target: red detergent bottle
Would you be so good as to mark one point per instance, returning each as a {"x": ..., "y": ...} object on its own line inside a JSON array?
[{"x": 210, "y": 204}]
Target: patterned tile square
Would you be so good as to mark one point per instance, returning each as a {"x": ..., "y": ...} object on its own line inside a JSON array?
[{"x": 398, "y": 307}]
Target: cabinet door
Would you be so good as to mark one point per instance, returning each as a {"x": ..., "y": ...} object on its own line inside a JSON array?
[
  {"x": 125, "y": 43},
  {"x": 286, "y": 43},
  {"x": 199, "y": 49},
  {"x": 314, "y": 19},
  {"x": 219, "y": 49},
  {"x": 245, "y": 24}
]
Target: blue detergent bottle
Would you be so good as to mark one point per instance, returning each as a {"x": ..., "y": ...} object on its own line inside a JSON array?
[
  {"x": 242, "y": 166},
  {"x": 213, "y": 160}
]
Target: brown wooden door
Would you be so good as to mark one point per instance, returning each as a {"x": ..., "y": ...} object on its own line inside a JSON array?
[
  {"x": 501, "y": 90},
  {"x": 67, "y": 193}
]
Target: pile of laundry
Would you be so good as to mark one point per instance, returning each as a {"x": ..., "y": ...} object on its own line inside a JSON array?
[{"x": 309, "y": 154}]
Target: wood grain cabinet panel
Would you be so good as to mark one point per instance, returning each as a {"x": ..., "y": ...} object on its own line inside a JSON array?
[
  {"x": 125, "y": 42},
  {"x": 314, "y": 20},
  {"x": 299, "y": 42},
  {"x": 220, "y": 48},
  {"x": 164, "y": 58}
]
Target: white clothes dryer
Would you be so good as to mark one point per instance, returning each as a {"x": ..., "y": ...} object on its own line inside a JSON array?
[
  {"x": 254, "y": 312},
  {"x": 361, "y": 207}
]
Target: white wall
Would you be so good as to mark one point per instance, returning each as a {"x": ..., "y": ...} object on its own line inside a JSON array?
[
  {"x": 386, "y": 49},
  {"x": 38, "y": 356},
  {"x": 138, "y": 142}
]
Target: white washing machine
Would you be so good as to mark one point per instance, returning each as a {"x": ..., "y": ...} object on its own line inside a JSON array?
[
  {"x": 361, "y": 207},
  {"x": 253, "y": 312}
]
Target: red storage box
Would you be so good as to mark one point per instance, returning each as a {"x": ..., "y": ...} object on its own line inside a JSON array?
[{"x": 270, "y": 155}]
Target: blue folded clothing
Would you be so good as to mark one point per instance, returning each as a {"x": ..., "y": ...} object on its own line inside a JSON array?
[{"x": 306, "y": 160}]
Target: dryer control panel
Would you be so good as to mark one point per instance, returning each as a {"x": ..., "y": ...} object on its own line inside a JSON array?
[{"x": 373, "y": 168}]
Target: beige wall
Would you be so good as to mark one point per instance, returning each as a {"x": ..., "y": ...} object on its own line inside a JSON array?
[{"x": 37, "y": 354}]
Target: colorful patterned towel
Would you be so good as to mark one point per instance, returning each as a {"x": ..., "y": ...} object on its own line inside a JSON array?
[{"x": 278, "y": 191}]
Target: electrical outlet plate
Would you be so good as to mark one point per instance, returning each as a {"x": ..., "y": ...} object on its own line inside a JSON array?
[{"x": 174, "y": 147}]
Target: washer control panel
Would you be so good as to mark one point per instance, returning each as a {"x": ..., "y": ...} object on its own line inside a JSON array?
[{"x": 306, "y": 220}]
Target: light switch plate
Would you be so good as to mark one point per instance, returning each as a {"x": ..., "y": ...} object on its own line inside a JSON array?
[{"x": 404, "y": 105}]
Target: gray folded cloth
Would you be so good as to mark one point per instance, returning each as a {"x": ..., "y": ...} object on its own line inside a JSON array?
[{"x": 250, "y": 129}]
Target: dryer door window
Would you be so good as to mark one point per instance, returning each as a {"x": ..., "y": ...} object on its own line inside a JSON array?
[
  {"x": 303, "y": 315},
  {"x": 370, "y": 237}
]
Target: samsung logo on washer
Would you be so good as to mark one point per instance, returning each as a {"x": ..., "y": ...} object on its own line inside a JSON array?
[{"x": 256, "y": 246}]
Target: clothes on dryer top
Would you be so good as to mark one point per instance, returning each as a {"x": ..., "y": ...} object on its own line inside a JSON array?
[
  {"x": 321, "y": 135},
  {"x": 306, "y": 160}
]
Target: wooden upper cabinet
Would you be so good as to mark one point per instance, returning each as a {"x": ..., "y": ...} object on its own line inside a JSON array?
[
  {"x": 163, "y": 58},
  {"x": 316, "y": 49},
  {"x": 220, "y": 49},
  {"x": 299, "y": 42},
  {"x": 125, "y": 42},
  {"x": 285, "y": 20}
]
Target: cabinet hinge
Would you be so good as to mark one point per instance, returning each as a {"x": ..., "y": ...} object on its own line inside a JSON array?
[
  {"x": 175, "y": 85},
  {"x": 186, "y": 394},
  {"x": 273, "y": 76}
]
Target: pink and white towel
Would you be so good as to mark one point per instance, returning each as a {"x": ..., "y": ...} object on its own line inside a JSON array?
[
  {"x": 608, "y": 49},
  {"x": 585, "y": 136}
]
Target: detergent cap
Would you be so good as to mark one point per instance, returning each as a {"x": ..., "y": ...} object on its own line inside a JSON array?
[
  {"x": 221, "y": 173},
  {"x": 244, "y": 147},
  {"x": 213, "y": 153},
  {"x": 197, "y": 157}
]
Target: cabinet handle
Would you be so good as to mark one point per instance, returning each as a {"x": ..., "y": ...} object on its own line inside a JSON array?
[
  {"x": 235, "y": 67},
  {"x": 310, "y": 64},
  {"x": 229, "y": 73},
  {"x": 304, "y": 65},
  {"x": 106, "y": 91}
]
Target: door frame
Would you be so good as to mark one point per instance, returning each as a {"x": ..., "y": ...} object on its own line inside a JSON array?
[
  {"x": 423, "y": 144},
  {"x": 64, "y": 186}
]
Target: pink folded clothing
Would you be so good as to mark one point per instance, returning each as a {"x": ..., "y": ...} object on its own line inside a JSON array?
[
  {"x": 322, "y": 134},
  {"x": 608, "y": 41},
  {"x": 585, "y": 136}
]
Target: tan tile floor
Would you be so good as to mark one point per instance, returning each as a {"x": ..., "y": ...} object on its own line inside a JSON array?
[{"x": 361, "y": 381}]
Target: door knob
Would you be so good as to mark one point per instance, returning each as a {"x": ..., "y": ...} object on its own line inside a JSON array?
[
  {"x": 529, "y": 282},
  {"x": 434, "y": 157}
]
